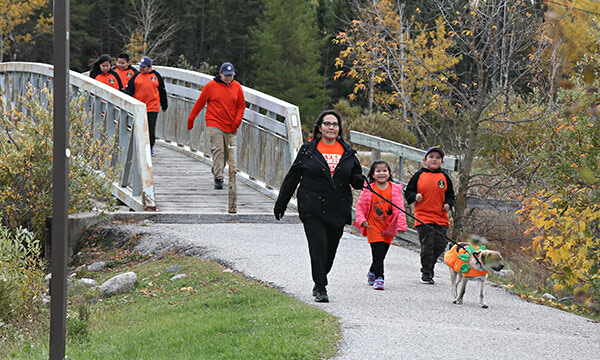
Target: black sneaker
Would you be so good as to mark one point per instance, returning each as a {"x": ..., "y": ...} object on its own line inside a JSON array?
[
  {"x": 218, "y": 184},
  {"x": 426, "y": 279},
  {"x": 315, "y": 291},
  {"x": 322, "y": 296}
]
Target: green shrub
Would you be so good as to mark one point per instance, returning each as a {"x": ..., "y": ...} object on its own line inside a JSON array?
[
  {"x": 26, "y": 162},
  {"x": 78, "y": 324},
  {"x": 21, "y": 274}
]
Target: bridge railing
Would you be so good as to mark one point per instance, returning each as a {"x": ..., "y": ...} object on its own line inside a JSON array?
[
  {"x": 112, "y": 112},
  {"x": 266, "y": 142}
]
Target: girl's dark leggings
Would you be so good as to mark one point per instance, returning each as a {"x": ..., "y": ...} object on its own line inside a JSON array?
[{"x": 378, "y": 251}]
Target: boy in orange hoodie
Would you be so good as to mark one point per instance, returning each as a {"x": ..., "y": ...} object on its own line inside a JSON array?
[{"x": 433, "y": 194}]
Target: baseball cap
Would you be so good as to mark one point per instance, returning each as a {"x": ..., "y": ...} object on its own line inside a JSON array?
[
  {"x": 227, "y": 69},
  {"x": 145, "y": 61},
  {"x": 435, "y": 148}
]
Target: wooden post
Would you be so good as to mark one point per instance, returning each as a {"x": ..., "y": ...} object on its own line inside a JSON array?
[
  {"x": 400, "y": 169},
  {"x": 375, "y": 154},
  {"x": 232, "y": 175}
]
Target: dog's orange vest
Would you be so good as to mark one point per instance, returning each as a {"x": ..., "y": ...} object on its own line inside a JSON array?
[{"x": 459, "y": 262}]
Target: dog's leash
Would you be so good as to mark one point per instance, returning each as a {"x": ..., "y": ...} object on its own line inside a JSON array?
[{"x": 368, "y": 186}]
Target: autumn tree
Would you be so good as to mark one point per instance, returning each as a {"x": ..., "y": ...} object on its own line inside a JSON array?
[
  {"x": 14, "y": 16},
  {"x": 560, "y": 205},
  {"x": 148, "y": 31},
  {"x": 571, "y": 22},
  {"x": 500, "y": 47},
  {"x": 397, "y": 63}
]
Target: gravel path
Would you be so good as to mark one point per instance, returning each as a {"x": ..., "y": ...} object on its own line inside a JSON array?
[{"x": 408, "y": 320}]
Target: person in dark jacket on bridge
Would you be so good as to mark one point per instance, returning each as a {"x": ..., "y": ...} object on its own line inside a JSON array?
[{"x": 325, "y": 168}]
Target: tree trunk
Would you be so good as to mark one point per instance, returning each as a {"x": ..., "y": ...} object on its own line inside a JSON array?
[{"x": 466, "y": 167}]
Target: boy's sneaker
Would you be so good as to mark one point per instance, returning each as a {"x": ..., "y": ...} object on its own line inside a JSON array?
[
  {"x": 218, "y": 184},
  {"x": 378, "y": 284},
  {"x": 426, "y": 279},
  {"x": 370, "y": 278},
  {"x": 151, "y": 151}
]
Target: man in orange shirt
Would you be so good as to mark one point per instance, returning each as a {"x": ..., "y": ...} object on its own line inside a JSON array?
[
  {"x": 148, "y": 87},
  {"x": 224, "y": 113}
]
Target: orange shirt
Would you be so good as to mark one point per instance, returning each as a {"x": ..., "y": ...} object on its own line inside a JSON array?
[
  {"x": 148, "y": 88},
  {"x": 226, "y": 105},
  {"x": 377, "y": 219},
  {"x": 125, "y": 75},
  {"x": 332, "y": 153},
  {"x": 432, "y": 185},
  {"x": 109, "y": 79}
]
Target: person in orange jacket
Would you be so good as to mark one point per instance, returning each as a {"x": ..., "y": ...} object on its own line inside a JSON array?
[
  {"x": 433, "y": 194},
  {"x": 124, "y": 69},
  {"x": 102, "y": 71},
  {"x": 378, "y": 220},
  {"x": 148, "y": 87},
  {"x": 224, "y": 113}
]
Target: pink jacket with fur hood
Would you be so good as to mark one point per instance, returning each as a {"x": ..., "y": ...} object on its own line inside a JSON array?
[{"x": 396, "y": 222}]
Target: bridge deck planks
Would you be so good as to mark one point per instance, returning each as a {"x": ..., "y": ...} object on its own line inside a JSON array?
[{"x": 185, "y": 185}]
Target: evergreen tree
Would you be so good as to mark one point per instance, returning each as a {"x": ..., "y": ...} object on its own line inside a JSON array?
[
  {"x": 213, "y": 32},
  {"x": 287, "y": 56}
]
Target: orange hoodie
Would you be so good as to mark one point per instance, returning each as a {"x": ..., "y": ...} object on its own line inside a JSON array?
[{"x": 226, "y": 105}]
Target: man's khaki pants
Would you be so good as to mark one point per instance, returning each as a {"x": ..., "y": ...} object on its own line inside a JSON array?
[{"x": 219, "y": 143}]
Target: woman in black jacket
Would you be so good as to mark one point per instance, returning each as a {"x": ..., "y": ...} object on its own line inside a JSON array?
[{"x": 325, "y": 168}]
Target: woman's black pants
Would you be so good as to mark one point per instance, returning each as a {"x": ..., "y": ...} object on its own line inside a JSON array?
[{"x": 323, "y": 240}]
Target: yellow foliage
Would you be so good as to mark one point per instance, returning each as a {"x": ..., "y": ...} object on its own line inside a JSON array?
[
  {"x": 565, "y": 238},
  {"x": 396, "y": 56},
  {"x": 14, "y": 14},
  {"x": 571, "y": 29},
  {"x": 137, "y": 46}
]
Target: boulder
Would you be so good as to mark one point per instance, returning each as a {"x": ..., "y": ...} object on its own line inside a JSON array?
[
  {"x": 119, "y": 284},
  {"x": 97, "y": 266}
]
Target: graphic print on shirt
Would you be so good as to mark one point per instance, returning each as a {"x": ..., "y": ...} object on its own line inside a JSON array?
[
  {"x": 441, "y": 184},
  {"x": 332, "y": 160},
  {"x": 382, "y": 209}
]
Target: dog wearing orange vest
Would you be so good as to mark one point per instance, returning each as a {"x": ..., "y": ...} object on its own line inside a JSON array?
[{"x": 470, "y": 263}]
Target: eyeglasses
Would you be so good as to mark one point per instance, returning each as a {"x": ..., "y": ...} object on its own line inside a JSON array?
[{"x": 328, "y": 123}]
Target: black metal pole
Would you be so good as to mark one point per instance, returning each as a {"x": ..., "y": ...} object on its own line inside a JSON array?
[{"x": 60, "y": 182}]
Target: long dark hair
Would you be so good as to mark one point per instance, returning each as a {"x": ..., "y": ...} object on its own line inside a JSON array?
[
  {"x": 95, "y": 70},
  {"x": 372, "y": 170},
  {"x": 317, "y": 131}
]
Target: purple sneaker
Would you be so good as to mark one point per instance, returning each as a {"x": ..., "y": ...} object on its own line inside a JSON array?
[
  {"x": 378, "y": 284},
  {"x": 370, "y": 278}
]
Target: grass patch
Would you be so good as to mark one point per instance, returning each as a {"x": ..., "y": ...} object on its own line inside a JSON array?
[{"x": 212, "y": 313}]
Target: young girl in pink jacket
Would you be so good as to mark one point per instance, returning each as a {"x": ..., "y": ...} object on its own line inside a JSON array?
[{"x": 378, "y": 220}]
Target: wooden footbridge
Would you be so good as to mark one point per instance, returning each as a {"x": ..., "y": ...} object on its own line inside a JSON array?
[{"x": 177, "y": 178}]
